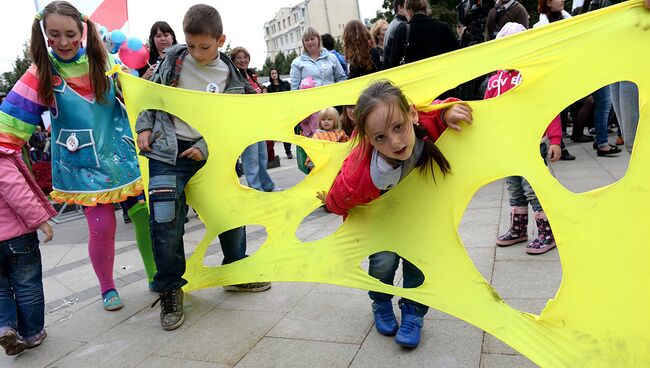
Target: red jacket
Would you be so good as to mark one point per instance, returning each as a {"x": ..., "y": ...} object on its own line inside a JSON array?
[
  {"x": 353, "y": 186},
  {"x": 505, "y": 80}
]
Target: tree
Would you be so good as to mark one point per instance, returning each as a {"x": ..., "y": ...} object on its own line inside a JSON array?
[
  {"x": 266, "y": 68},
  {"x": 8, "y": 79},
  {"x": 386, "y": 12}
]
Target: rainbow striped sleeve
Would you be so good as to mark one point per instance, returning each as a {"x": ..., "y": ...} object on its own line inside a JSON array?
[{"x": 20, "y": 112}]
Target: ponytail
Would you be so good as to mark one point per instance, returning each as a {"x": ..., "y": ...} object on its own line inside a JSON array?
[
  {"x": 97, "y": 62},
  {"x": 430, "y": 154},
  {"x": 38, "y": 52}
]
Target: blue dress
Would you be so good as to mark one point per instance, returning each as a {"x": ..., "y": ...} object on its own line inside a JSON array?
[{"x": 93, "y": 153}]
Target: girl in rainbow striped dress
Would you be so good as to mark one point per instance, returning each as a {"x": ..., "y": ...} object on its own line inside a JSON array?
[{"x": 94, "y": 162}]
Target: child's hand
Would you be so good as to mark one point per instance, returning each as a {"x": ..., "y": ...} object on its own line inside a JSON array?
[
  {"x": 143, "y": 140},
  {"x": 457, "y": 113},
  {"x": 554, "y": 152},
  {"x": 47, "y": 230},
  {"x": 193, "y": 153},
  {"x": 321, "y": 195}
]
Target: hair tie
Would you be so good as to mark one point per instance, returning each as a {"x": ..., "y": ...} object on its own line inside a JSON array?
[
  {"x": 425, "y": 138},
  {"x": 83, "y": 17},
  {"x": 39, "y": 15}
]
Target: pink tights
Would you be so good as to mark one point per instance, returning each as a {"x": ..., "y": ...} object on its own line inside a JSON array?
[{"x": 101, "y": 243}]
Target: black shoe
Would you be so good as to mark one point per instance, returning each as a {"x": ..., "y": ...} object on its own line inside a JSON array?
[
  {"x": 583, "y": 138},
  {"x": 566, "y": 156},
  {"x": 171, "y": 309},
  {"x": 611, "y": 151}
]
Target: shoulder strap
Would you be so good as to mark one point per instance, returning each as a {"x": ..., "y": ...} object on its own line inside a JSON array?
[{"x": 406, "y": 43}]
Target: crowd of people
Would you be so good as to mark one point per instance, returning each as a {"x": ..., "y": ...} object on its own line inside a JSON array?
[{"x": 89, "y": 124}]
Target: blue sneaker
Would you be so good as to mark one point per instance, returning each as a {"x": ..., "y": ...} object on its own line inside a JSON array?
[
  {"x": 385, "y": 320},
  {"x": 409, "y": 332},
  {"x": 111, "y": 300}
]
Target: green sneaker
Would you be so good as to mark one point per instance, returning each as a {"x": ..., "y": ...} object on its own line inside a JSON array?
[{"x": 251, "y": 287}]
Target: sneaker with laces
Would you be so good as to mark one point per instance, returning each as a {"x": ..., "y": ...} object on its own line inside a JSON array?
[
  {"x": 11, "y": 341},
  {"x": 408, "y": 334},
  {"x": 385, "y": 320},
  {"x": 171, "y": 309},
  {"x": 36, "y": 340},
  {"x": 251, "y": 287}
]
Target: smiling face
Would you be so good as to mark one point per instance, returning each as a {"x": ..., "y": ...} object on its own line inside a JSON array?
[
  {"x": 390, "y": 131},
  {"x": 162, "y": 40},
  {"x": 242, "y": 60},
  {"x": 63, "y": 34},
  {"x": 203, "y": 47}
]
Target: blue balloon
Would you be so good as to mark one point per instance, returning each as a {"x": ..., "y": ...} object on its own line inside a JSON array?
[
  {"x": 118, "y": 37},
  {"x": 134, "y": 43},
  {"x": 135, "y": 72}
]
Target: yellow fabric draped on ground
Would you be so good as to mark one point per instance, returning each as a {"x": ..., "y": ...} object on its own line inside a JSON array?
[{"x": 600, "y": 316}]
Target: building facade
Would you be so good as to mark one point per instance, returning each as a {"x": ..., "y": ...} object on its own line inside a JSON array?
[{"x": 284, "y": 32}]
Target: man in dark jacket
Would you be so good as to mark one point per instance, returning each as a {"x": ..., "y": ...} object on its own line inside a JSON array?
[
  {"x": 389, "y": 37},
  {"x": 504, "y": 11},
  {"x": 422, "y": 37}
]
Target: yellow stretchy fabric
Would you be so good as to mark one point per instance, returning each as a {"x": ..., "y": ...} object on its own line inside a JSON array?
[{"x": 600, "y": 316}]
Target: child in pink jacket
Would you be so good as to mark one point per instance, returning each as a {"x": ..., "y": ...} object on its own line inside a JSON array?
[{"x": 23, "y": 209}]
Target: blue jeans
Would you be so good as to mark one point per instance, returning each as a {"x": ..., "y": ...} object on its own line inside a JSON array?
[
  {"x": 521, "y": 193},
  {"x": 625, "y": 98},
  {"x": 167, "y": 219},
  {"x": 602, "y": 107},
  {"x": 254, "y": 159},
  {"x": 22, "y": 305},
  {"x": 383, "y": 266}
]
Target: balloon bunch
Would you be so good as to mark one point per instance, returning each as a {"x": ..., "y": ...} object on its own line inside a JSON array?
[{"x": 131, "y": 51}]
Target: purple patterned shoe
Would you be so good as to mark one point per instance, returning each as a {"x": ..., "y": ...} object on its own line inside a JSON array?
[{"x": 518, "y": 231}]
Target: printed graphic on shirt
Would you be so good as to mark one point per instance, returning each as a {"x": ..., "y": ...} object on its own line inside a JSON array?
[{"x": 212, "y": 87}]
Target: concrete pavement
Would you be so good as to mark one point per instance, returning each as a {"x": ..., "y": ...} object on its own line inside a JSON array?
[{"x": 292, "y": 324}]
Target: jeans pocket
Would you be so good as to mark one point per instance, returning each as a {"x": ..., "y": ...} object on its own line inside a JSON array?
[
  {"x": 24, "y": 250},
  {"x": 163, "y": 196}
]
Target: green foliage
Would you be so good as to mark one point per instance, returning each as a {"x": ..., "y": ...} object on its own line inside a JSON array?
[
  {"x": 386, "y": 12},
  {"x": 8, "y": 79},
  {"x": 338, "y": 45},
  {"x": 281, "y": 61}
]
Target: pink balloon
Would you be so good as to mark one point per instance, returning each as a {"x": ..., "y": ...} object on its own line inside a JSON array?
[{"x": 133, "y": 59}]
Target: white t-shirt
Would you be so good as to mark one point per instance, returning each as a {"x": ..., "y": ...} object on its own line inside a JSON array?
[{"x": 211, "y": 78}]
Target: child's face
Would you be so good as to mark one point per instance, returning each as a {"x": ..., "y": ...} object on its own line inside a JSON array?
[
  {"x": 556, "y": 5},
  {"x": 327, "y": 123},
  {"x": 391, "y": 132},
  {"x": 63, "y": 34},
  {"x": 203, "y": 47}
]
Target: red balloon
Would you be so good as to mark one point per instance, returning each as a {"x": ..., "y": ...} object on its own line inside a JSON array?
[{"x": 133, "y": 59}]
